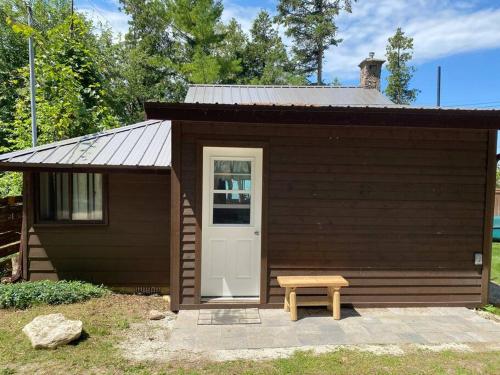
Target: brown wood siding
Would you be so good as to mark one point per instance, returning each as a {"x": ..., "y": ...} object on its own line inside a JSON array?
[
  {"x": 398, "y": 211},
  {"x": 132, "y": 250}
]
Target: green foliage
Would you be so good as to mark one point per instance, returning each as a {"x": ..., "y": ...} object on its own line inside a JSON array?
[
  {"x": 495, "y": 263},
  {"x": 311, "y": 24},
  {"x": 88, "y": 80},
  {"x": 146, "y": 66},
  {"x": 265, "y": 58},
  {"x": 11, "y": 184},
  {"x": 26, "y": 294},
  {"x": 14, "y": 51},
  {"x": 399, "y": 52},
  {"x": 71, "y": 100},
  {"x": 492, "y": 309},
  {"x": 198, "y": 28}
]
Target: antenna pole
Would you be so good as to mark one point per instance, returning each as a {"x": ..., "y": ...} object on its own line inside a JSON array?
[
  {"x": 32, "y": 79},
  {"x": 439, "y": 86}
]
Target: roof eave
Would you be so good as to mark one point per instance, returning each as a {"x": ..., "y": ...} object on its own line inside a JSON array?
[
  {"x": 41, "y": 167},
  {"x": 331, "y": 115}
]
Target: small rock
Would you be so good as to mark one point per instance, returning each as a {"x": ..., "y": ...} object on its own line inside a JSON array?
[
  {"x": 51, "y": 331},
  {"x": 156, "y": 315}
]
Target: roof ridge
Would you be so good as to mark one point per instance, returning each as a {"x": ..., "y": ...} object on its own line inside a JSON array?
[{"x": 280, "y": 86}]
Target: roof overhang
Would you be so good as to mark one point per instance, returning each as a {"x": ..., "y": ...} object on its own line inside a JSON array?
[
  {"x": 34, "y": 167},
  {"x": 144, "y": 147},
  {"x": 331, "y": 115}
]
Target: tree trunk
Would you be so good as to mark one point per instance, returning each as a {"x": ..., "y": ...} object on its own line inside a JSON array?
[{"x": 319, "y": 76}]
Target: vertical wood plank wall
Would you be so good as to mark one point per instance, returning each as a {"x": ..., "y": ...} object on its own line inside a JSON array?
[
  {"x": 497, "y": 202},
  {"x": 133, "y": 250},
  {"x": 397, "y": 211}
]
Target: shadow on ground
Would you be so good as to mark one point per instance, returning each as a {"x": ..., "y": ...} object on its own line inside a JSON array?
[{"x": 322, "y": 312}]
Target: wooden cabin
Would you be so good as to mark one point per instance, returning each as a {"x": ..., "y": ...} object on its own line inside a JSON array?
[{"x": 210, "y": 200}]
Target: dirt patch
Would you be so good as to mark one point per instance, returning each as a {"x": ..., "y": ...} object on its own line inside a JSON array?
[
  {"x": 276, "y": 353},
  {"x": 148, "y": 340}
]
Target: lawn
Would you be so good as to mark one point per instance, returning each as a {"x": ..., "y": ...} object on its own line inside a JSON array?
[
  {"x": 495, "y": 263},
  {"x": 107, "y": 319}
]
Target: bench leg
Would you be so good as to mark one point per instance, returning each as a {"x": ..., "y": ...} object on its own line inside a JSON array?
[
  {"x": 293, "y": 304},
  {"x": 336, "y": 304},
  {"x": 330, "y": 299},
  {"x": 287, "y": 300}
]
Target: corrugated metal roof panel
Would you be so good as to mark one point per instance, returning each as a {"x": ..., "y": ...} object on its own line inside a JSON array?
[
  {"x": 142, "y": 143},
  {"x": 126, "y": 146},
  {"x": 286, "y": 95},
  {"x": 154, "y": 149}
]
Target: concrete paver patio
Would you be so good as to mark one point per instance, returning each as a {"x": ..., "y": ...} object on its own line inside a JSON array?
[{"x": 315, "y": 327}]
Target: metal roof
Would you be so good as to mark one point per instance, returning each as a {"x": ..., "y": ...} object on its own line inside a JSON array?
[
  {"x": 286, "y": 95},
  {"x": 143, "y": 145}
]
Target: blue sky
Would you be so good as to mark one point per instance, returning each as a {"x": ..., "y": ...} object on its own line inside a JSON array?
[{"x": 462, "y": 36}]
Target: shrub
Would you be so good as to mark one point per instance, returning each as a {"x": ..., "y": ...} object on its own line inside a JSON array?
[{"x": 26, "y": 294}]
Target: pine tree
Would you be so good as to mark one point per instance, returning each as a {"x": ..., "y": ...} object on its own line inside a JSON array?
[
  {"x": 197, "y": 24},
  {"x": 311, "y": 24},
  {"x": 232, "y": 49},
  {"x": 399, "y": 52},
  {"x": 266, "y": 60},
  {"x": 146, "y": 62}
]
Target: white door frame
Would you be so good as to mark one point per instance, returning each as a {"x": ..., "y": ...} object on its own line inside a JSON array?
[{"x": 231, "y": 253}]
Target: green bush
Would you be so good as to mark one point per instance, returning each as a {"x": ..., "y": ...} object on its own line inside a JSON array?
[{"x": 26, "y": 294}]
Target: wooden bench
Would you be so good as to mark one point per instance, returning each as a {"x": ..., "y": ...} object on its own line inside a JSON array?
[{"x": 332, "y": 283}]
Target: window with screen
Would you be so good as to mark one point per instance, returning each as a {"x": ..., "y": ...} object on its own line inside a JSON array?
[
  {"x": 231, "y": 190},
  {"x": 70, "y": 197}
]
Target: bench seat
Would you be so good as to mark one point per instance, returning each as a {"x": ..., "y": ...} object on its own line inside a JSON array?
[{"x": 332, "y": 283}]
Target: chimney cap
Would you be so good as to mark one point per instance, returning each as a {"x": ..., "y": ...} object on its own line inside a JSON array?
[{"x": 371, "y": 59}]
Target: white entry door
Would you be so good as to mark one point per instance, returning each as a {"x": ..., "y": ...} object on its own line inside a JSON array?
[{"x": 232, "y": 213}]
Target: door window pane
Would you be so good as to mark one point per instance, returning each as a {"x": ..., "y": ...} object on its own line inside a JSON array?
[
  {"x": 233, "y": 166},
  {"x": 232, "y": 182},
  {"x": 231, "y": 199},
  {"x": 231, "y": 208},
  {"x": 87, "y": 196}
]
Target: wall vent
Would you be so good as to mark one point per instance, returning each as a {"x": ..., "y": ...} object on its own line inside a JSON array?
[{"x": 147, "y": 290}]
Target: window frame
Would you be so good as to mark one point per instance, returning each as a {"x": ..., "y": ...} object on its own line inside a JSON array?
[
  {"x": 69, "y": 222},
  {"x": 213, "y": 191}
]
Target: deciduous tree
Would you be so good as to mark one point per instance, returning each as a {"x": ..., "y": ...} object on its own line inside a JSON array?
[{"x": 70, "y": 97}]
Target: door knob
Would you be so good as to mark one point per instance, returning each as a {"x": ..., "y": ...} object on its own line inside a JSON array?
[{"x": 256, "y": 232}]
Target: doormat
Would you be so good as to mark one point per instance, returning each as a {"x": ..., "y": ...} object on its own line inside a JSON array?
[{"x": 229, "y": 316}]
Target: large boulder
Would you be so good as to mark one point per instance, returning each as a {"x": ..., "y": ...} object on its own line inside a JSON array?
[{"x": 51, "y": 331}]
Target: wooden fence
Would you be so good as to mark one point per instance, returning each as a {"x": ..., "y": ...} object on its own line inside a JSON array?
[{"x": 11, "y": 212}]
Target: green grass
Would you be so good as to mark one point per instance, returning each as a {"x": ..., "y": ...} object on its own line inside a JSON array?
[
  {"x": 495, "y": 263},
  {"x": 106, "y": 319}
]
